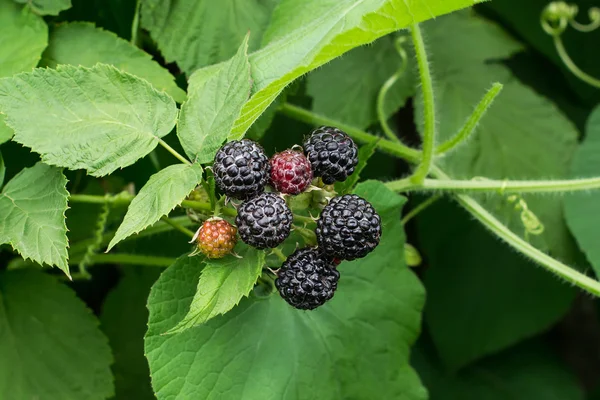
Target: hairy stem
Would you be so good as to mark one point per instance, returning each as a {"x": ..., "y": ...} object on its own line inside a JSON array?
[
  {"x": 359, "y": 135},
  {"x": 123, "y": 198},
  {"x": 503, "y": 232},
  {"x": 469, "y": 128},
  {"x": 501, "y": 187},
  {"x": 174, "y": 152},
  {"x": 424, "y": 166},
  {"x": 133, "y": 259},
  {"x": 418, "y": 209}
]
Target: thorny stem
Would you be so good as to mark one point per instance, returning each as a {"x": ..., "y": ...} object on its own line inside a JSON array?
[
  {"x": 469, "y": 127},
  {"x": 424, "y": 166},
  {"x": 174, "y": 152}
]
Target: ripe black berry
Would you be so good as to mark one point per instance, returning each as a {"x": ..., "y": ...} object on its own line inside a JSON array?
[
  {"x": 348, "y": 228},
  {"x": 290, "y": 172},
  {"x": 264, "y": 221},
  {"x": 241, "y": 169},
  {"x": 332, "y": 154},
  {"x": 307, "y": 279}
]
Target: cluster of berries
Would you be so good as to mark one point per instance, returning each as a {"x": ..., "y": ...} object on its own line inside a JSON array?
[{"x": 348, "y": 227}]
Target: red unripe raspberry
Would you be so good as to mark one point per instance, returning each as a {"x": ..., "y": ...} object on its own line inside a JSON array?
[
  {"x": 290, "y": 172},
  {"x": 216, "y": 238}
]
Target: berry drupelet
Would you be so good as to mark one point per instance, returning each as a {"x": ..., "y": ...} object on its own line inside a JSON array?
[
  {"x": 241, "y": 169},
  {"x": 332, "y": 154},
  {"x": 216, "y": 238},
  {"x": 264, "y": 221},
  {"x": 348, "y": 228},
  {"x": 290, "y": 172},
  {"x": 307, "y": 279}
]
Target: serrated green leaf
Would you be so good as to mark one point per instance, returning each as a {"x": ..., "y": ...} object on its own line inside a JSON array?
[
  {"x": 304, "y": 35},
  {"x": 481, "y": 296},
  {"x": 32, "y": 215},
  {"x": 355, "y": 346},
  {"x": 223, "y": 283},
  {"x": 124, "y": 318},
  {"x": 24, "y": 38},
  {"x": 2, "y": 170},
  {"x": 81, "y": 43},
  {"x": 364, "y": 153},
  {"x": 346, "y": 89},
  {"x": 99, "y": 119},
  {"x": 5, "y": 132},
  {"x": 581, "y": 209},
  {"x": 50, "y": 342},
  {"x": 164, "y": 191},
  {"x": 529, "y": 371},
  {"x": 214, "y": 105},
  {"x": 47, "y": 7},
  {"x": 522, "y": 136},
  {"x": 197, "y": 33}
]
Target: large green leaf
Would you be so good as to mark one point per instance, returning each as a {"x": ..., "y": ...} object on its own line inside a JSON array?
[
  {"x": 81, "y": 43},
  {"x": 523, "y": 135},
  {"x": 32, "y": 215},
  {"x": 99, "y": 119},
  {"x": 163, "y": 192},
  {"x": 2, "y": 170},
  {"x": 481, "y": 296},
  {"x": 223, "y": 283},
  {"x": 304, "y": 35},
  {"x": 50, "y": 342},
  {"x": 197, "y": 33},
  {"x": 529, "y": 371},
  {"x": 124, "y": 318},
  {"x": 23, "y": 39},
  {"x": 214, "y": 105},
  {"x": 5, "y": 132},
  {"x": 47, "y": 7},
  {"x": 355, "y": 346},
  {"x": 346, "y": 89},
  {"x": 582, "y": 209}
]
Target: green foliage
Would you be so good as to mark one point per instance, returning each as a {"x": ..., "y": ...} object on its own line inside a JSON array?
[
  {"x": 70, "y": 44},
  {"x": 308, "y": 355},
  {"x": 580, "y": 208},
  {"x": 215, "y": 102},
  {"x": 522, "y": 136},
  {"x": 50, "y": 342},
  {"x": 346, "y": 89},
  {"x": 527, "y": 372},
  {"x": 482, "y": 298},
  {"x": 32, "y": 215},
  {"x": 304, "y": 35},
  {"x": 98, "y": 119},
  {"x": 124, "y": 317},
  {"x": 223, "y": 283},
  {"x": 47, "y": 7},
  {"x": 199, "y": 33},
  {"x": 24, "y": 37},
  {"x": 163, "y": 192}
]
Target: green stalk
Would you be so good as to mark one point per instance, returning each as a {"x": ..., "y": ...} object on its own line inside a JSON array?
[
  {"x": 575, "y": 70},
  {"x": 174, "y": 152},
  {"x": 176, "y": 226},
  {"x": 502, "y": 187},
  {"x": 428, "y": 151},
  {"x": 387, "y": 146},
  {"x": 132, "y": 259},
  {"x": 469, "y": 128}
]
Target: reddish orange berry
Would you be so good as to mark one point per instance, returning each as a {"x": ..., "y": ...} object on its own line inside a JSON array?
[{"x": 216, "y": 238}]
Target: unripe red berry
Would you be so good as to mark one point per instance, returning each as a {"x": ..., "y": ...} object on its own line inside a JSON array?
[{"x": 291, "y": 172}]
